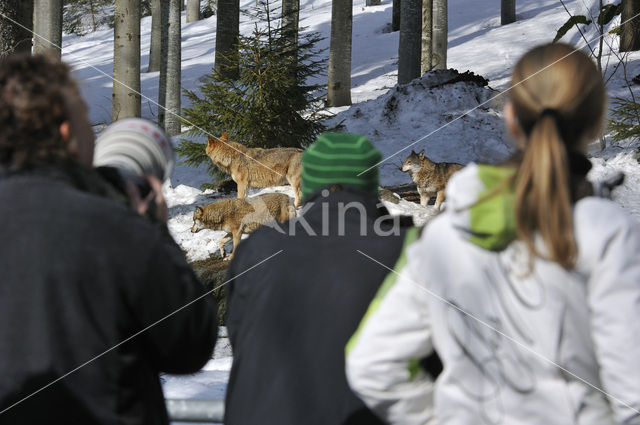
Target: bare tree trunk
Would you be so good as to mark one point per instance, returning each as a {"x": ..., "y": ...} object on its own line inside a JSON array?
[
  {"x": 126, "y": 59},
  {"x": 410, "y": 48},
  {"x": 193, "y": 10},
  {"x": 440, "y": 33},
  {"x": 395, "y": 15},
  {"x": 174, "y": 60},
  {"x": 47, "y": 24},
  {"x": 600, "y": 43},
  {"x": 289, "y": 23},
  {"x": 630, "y": 33},
  {"x": 14, "y": 38},
  {"x": 291, "y": 19},
  {"x": 164, "y": 47},
  {"x": 339, "y": 90},
  {"x": 507, "y": 12},
  {"x": 94, "y": 24},
  {"x": 227, "y": 32},
  {"x": 155, "y": 48},
  {"x": 427, "y": 36}
]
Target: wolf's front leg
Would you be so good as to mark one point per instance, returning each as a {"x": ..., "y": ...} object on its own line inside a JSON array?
[
  {"x": 294, "y": 181},
  {"x": 439, "y": 199},
  {"x": 226, "y": 238},
  {"x": 242, "y": 189},
  {"x": 237, "y": 236},
  {"x": 297, "y": 197},
  {"x": 424, "y": 198}
]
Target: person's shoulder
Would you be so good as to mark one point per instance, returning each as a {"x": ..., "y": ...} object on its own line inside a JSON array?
[
  {"x": 273, "y": 230},
  {"x": 110, "y": 219},
  {"x": 102, "y": 208},
  {"x": 269, "y": 237},
  {"x": 461, "y": 177},
  {"x": 601, "y": 214},
  {"x": 598, "y": 221}
]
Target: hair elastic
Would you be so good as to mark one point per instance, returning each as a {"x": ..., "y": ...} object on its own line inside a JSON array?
[{"x": 552, "y": 112}]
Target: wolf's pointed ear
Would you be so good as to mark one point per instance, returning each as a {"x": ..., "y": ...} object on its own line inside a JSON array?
[
  {"x": 421, "y": 154},
  {"x": 211, "y": 140},
  {"x": 412, "y": 152},
  {"x": 199, "y": 210},
  {"x": 224, "y": 136}
]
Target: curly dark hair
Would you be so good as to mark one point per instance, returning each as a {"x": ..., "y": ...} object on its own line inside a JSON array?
[{"x": 32, "y": 108}]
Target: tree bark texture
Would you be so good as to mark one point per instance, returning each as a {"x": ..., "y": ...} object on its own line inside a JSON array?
[
  {"x": 126, "y": 59},
  {"x": 630, "y": 29},
  {"x": 193, "y": 10},
  {"x": 47, "y": 26},
  {"x": 94, "y": 24},
  {"x": 427, "y": 40},
  {"x": 174, "y": 76},
  {"x": 291, "y": 19},
  {"x": 155, "y": 48},
  {"x": 164, "y": 47},
  {"x": 13, "y": 37},
  {"x": 289, "y": 23},
  {"x": 410, "y": 46},
  {"x": 440, "y": 32},
  {"x": 339, "y": 90},
  {"x": 395, "y": 15},
  {"x": 507, "y": 12},
  {"x": 227, "y": 32}
]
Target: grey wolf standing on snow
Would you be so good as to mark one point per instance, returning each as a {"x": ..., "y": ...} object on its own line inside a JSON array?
[
  {"x": 430, "y": 177},
  {"x": 242, "y": 215},
  {"x": 256, "y": 167}
]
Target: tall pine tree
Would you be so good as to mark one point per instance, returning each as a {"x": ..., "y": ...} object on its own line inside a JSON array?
[{"x": 270, "y": 103}]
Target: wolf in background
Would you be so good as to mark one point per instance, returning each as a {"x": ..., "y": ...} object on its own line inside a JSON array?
[
  {"x": 242, "y": 215},
  {"x": 430, "y": 177},
  {"x": 257, "y": 167}
]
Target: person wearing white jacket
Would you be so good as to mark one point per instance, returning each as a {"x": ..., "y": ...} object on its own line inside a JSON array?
[{"x": 526, "y": 287}]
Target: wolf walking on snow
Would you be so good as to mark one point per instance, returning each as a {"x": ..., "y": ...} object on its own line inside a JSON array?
[
  {"x": 242, "y": 215},
  {"x": 256, "y": 167},
  {"x": 430, "y": 177}
]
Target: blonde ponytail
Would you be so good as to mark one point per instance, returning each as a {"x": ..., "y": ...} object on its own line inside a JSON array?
[
  {"x": 543, "y": 195},
  {"x": 558, "y": 99}
]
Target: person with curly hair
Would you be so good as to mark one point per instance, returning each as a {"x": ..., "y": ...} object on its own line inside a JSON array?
[{"x": 91, "y": 292}]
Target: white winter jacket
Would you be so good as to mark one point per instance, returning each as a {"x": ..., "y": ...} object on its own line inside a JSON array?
[{"x": 549, "y": 347}]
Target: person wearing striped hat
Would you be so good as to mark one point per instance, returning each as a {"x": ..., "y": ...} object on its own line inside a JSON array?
[
  {"x": 290, "y": 317},
  {"x": 340, "y": 159}
]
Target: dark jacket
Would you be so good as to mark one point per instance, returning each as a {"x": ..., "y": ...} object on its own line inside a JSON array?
[
  {"x": 289, "y": 318},
  {"x": 81, "y": 279}
]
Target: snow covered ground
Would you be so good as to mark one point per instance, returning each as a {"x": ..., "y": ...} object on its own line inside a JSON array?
[{"x": 397, "y": 119}]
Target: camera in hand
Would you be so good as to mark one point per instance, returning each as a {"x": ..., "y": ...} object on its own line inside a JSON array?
[{"x": 130, "y": 150}]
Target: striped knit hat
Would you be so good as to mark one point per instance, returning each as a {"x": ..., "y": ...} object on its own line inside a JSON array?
[{"x": 338, "y": 158}]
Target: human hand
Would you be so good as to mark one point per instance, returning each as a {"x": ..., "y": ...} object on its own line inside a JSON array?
[{"x": 153, "y": 205}]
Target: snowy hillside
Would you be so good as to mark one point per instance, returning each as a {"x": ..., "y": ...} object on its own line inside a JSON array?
[
  {"x": 451, "y": 122},
  {"x": 454, "y": 122}
]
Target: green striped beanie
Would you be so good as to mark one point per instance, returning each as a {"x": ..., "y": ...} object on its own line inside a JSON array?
[{"x": 340, "y": 158}]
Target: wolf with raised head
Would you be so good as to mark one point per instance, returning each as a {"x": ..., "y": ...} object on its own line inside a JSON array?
[
  {"x": 430, "y": 177},
  {"x": 242, "y": 215},
  {"x": 257, "y": 167}
]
